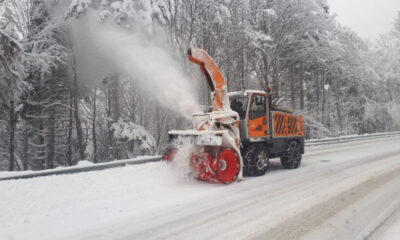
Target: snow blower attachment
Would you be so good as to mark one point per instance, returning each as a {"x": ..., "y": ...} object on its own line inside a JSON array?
[
  {"x": 241, "y": 133},
  {"x": 215, "y": 136}
]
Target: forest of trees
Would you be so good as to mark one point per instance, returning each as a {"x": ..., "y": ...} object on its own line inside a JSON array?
[{"x": 51, "y": 114}]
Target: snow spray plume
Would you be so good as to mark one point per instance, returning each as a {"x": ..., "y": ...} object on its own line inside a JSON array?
[
  {"x": 180, "y": 164},
  {"x": 144, "y": 60}
]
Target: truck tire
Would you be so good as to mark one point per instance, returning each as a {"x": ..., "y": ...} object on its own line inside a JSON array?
[
  {"x": 228, "y": 166},
  {"x": 256, "y": 160},
  {"x": 291, "y": 155}
]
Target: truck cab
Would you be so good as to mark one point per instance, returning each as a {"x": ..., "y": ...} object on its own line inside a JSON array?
[
  {"x": 267, "y": 130},
  {"x": 252, "y": 107}
]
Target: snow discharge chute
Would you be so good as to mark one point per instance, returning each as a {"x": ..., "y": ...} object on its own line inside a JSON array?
[
  {"x": 214, "y": 78},
  {"x": 215, "y": 155}
]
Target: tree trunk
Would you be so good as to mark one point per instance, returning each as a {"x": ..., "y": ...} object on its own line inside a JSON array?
[
  {"x": 158, "y": 119},
  {"x": 42, "y": 148},
  {"x": 162, "y": 121},
  {"x": 338, "y": 109},
  {"x": 78, "y": 123},
  {"x": 275, "y": 79},
  {"x": 317, "y": 88},
  {"x": 94, "y": 128},
  {"x": 243, "y": 71},
  {"x": 266, "y": 71},
  {"x": 109, "y": 120},
  {"x": 70, "y": 126},
  {"x": 323, "y": 98},
  {"x": 12, "y": 126},
  {"x": 115, "y": 97},
  {"x": 115, "y": 111},
  {"x": 25, "y": 149},
  {"x": 292, "y": 86},
  {"x": 51, "y": 138},
  {"x": 301, "y": 87}
]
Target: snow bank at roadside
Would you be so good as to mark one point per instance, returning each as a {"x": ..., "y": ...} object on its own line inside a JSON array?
[{"x": 81, "y": 164}]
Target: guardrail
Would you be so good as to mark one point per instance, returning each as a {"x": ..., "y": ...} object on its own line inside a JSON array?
[
  {"x": 78, "y": 169},
  {"x": 122, "y": 163},
  {"x": 343, "y": 139}
]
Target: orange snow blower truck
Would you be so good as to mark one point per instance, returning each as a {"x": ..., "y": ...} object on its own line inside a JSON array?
[{"x": 240, "y": 135}]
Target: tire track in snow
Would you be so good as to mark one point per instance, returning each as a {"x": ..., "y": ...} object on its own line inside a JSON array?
[
  {"x": 274, "y": 215},
  {"x": 389, "y": 227},
  {"x": 313, "y": 217}
]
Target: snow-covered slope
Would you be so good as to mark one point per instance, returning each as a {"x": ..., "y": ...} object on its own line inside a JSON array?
[{"x": 341, "y": 191}]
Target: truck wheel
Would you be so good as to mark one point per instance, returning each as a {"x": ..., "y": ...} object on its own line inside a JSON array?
[
  {"x": 227, "y": 166},
  {"x": 291, "y": 156},
  {"x": 256, "y": 160}
]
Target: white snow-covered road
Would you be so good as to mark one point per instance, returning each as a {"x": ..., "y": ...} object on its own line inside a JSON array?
[{"x": 341, "y": 191}]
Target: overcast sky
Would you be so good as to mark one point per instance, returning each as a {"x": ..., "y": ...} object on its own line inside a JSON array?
[{"x": 369, "y": 18}]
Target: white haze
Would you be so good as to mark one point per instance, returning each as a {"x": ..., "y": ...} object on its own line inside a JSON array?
[{"x": 105, "y": 48}]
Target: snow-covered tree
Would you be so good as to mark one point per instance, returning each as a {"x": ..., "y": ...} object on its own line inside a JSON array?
[
  {"x": 12, "y": 83},
  {"x": 45, "y": 105},
  {"x": 11, "y": 86},
  {"x": 130, "y": 16}
]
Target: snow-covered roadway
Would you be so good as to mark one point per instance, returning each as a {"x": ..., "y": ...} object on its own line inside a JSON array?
[{"x": 341, "y": 191}]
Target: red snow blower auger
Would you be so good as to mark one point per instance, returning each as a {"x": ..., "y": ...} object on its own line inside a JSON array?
[{"x": 215, "y": 155}]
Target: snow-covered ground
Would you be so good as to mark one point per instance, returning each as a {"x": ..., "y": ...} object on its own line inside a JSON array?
[{"x": 341, "y": 191}]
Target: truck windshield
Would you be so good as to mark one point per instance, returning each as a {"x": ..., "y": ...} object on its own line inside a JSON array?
[{"x": 239, "y": 105}]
